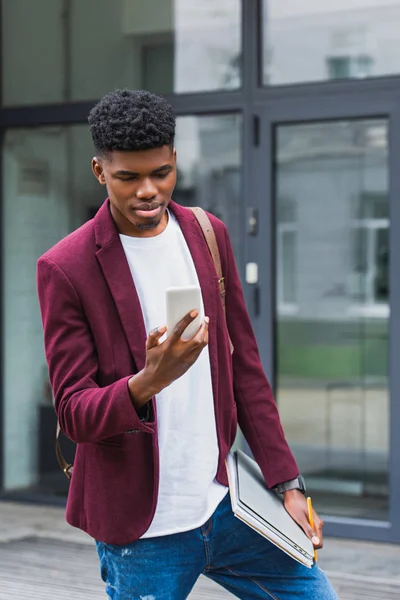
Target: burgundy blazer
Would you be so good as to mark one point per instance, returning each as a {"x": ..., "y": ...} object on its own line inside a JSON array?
[{"x": 95, "y": 340}]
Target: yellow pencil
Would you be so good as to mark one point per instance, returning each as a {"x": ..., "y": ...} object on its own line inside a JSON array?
[{"x": 311, "y": 519}]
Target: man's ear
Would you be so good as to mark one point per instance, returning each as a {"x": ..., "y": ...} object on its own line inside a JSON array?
[{"x": 98, "y": 171}]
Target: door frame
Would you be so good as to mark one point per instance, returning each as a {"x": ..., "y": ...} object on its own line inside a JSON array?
[{"x": 315, "y": 106}]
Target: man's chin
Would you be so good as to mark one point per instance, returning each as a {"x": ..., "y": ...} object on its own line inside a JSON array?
[{"x": 148, "y": 226}]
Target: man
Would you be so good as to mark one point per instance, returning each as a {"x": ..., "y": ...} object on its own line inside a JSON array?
[{"x": 154, "y": 418}]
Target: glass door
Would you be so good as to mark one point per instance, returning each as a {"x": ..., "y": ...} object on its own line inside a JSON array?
[{"x": 332, "y": 309}]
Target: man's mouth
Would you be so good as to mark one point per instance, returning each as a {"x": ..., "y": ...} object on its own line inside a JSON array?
[{"x": 148, "y": 212}]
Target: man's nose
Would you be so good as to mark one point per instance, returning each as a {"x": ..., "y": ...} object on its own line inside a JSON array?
[{"x": 146, "y": 190}]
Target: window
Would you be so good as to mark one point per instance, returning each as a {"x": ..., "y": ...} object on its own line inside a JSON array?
[
  {"x": 370, "y": 257},
  {"x": 332, "y": 309},
  {"x": 78, "y": 53},
  {"x": 345, "y": 67},
  {"x": 307, "y": 40},
  {"x": 209, "y": 168}
]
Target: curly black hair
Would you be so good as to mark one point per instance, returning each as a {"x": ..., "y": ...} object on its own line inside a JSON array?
[{"x": 131, "y": 120}]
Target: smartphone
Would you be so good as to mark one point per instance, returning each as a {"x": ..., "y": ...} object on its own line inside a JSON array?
[{"x": 179, "y": 302}]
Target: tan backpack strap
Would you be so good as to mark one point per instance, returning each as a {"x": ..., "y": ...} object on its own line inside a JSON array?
[
  {"x": 65, "y": 466},
  {"x": 209, "y": 236}
]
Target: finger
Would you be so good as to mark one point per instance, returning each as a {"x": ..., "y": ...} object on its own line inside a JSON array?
[
  {"x": 311, "y": 534},
  {"x": 207, "y": 332},
  {"x": 154, "y": 337},
  {"x": 182, "y": 325},
  {"x": 318, "y": 526},
  {"x": 302, "y": 520},
  {"x": 201, "y": 336}
]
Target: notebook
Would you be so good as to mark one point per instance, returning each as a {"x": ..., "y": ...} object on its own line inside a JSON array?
[{"x": 263, "y": 510}]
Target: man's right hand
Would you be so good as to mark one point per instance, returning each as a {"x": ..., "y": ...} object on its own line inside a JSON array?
[{"x": 167, "y": 361}]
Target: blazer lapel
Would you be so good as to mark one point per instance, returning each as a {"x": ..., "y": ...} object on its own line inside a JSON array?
[{"x": 113, "y": 262}]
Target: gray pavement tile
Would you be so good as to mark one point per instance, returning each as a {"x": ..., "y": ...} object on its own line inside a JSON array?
[{"x": 41, "y": 557}]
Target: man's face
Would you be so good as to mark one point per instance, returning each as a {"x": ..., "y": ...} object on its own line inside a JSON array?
[{"x": 140, "y": 185}]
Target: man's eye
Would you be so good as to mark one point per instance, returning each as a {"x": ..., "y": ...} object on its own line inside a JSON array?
[
  {"x": 163, "y": 175},
  {"x": 126, "y": 178}
]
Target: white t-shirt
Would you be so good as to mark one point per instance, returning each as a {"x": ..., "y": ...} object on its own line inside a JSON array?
[{"x": 187, "y": 437}]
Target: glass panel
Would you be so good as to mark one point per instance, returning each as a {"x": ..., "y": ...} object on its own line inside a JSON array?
[
  {"x": 333, "y": 310},
  {"x": 310, "y": 40},
  {"x": 209, "y": 168},
  {"x": 49, "y": 189},
  {"x": 77, "y": 53}
]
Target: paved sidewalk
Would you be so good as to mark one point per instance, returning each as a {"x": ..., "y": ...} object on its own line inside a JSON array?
[{"x": 42, "y": 558}]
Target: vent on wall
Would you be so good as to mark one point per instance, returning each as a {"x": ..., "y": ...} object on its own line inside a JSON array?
[{"x": 33, "y": 178}]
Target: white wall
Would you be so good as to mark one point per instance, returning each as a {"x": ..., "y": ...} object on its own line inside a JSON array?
[{"x": 295, "y": 8}]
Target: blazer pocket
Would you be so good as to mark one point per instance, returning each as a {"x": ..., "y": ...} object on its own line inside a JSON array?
[{"x": 112, "y": 442}]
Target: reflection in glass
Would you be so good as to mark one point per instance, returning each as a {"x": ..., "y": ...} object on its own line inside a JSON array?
[
  {"x": 77, "y": 53},
  {"x": 310, "y": 40},
  {"x": 209, "y": 168},
  {"x": 49, "y": 189},
  {"x": 333, "y": 308}
]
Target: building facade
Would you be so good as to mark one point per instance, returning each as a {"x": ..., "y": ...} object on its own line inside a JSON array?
[{"x": 288, "y": 129}]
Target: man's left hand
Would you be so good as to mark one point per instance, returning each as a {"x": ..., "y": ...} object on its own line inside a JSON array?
[{"x": 296, "y": 506}]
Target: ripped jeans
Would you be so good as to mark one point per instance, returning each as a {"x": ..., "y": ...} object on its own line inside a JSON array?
[{"x": 224, "y": 549}]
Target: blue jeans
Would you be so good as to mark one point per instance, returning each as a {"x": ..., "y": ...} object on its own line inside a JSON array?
[{"x": 224, "y": 549}]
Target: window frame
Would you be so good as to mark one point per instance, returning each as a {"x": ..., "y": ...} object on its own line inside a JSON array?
[{"x": 371, "y": 308}]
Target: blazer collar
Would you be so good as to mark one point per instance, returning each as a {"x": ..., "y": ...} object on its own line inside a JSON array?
[
  {"x": 104, "y": 226},
  {"x": 116, "y": 271}
]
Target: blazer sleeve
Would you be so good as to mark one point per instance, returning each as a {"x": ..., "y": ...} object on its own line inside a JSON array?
[
  {"x": 87, "y": 412},
  {"x": 257, "y": 411}
]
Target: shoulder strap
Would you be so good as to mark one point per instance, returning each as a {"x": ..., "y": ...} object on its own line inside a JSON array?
[
  {"x": 64, "y": 465},
  {"x": 209, "y": 236}
]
